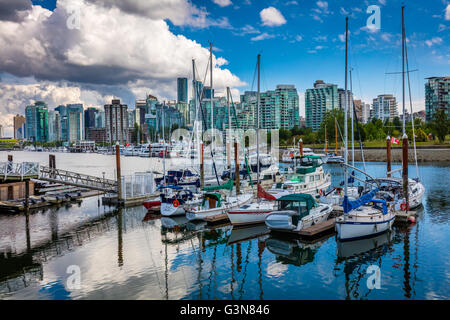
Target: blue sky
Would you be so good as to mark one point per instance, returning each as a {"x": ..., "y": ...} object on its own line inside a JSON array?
[
  {"x": 300, "y": 42},
  {"x": 320, "y": 53},
  {"x": 307, "y": 46}
]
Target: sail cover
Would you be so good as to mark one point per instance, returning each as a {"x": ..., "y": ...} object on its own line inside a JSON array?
[
  {"x": 350, "y": 205},
  {"x": 225, "y": 186},
  {"x": 264, "y": 195}
]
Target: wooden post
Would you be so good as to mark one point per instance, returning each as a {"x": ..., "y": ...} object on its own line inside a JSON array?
[
  {"x": 301, "y": 147},
  {"x": 405, "y": 170},
  {"x": 27, "y": 193},
  {"x": 149, "y": 150},
  {"x": 236, "y": 164},
  {"x": 202, "y": 168},
  {"x": 119, "y": 178},
  {"x": 388, "y": 156}
]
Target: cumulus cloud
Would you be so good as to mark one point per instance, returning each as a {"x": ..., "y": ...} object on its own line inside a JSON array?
[
  {"x": 179, "y": 12},
  {"x": 114, "y": 49},
  {"x": 14, "y": 10},
  {"x": 223, "y": 3},
  {"x": 272, "y": 17},
  {"x": 447, "y": 12}
]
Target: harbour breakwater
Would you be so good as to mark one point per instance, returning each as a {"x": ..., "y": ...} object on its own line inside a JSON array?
[{"x": 424, "y": 154}]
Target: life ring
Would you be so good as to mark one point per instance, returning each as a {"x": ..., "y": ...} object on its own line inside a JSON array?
[
  {"x": 176, "y": 203},
  {"x": 403, "y": 206}
]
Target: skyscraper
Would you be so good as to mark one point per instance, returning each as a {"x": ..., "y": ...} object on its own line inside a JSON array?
[
  {"x": 385, "y": 107},
  {"x": 182, "y": 90},
  {"x": 19, "y": 127},
  {"x": 37, "y": 122},
  {"x": 116, "y": 122},
  {"x": 53, "y": 126},
  {"x": 75, "y": 122},
  {"x": 437, "y": 96},
  {"x": 89, "y": 119},
  {"x": 322, "y": 98}
]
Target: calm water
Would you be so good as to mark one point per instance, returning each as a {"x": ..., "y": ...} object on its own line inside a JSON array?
[{"x": 127, "y": 254}]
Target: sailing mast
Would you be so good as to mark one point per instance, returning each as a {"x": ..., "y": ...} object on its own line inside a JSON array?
[
  {"x": 345, "y": 117},
  {"x": 335, "y": 133},
  {"x": 164, "y": 143},
  {"x": 211, "y": 93},
  {"x": 405, "y": 137},
  {"x": 326, "y": 139},
  {"x": 257, "y": 122},
  {"x": 229, "y": 131},
  {"x": 352, "y": 106}
]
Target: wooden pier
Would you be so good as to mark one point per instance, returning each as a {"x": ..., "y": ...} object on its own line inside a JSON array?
[
  {"x": 319, "y": 228},
  {"x": 216, "y": 218},
  {"x": 404, "y": 216}
]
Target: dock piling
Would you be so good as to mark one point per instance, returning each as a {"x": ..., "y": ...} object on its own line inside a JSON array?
[
  {"x": 119, "y": 178},
  {"x": 388, "y": 156}
]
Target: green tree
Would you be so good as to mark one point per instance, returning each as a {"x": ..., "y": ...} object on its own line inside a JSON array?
[{"x": 441, "y": 124}]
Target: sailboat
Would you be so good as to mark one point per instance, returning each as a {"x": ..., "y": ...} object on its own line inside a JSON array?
[
  {"x": 255, "y": 212},
  {"x": 366, "y": 216},
  {"x": 393, "y": 186}
]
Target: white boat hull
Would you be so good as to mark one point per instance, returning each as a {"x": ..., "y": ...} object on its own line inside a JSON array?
[
  {"x": 169, "y": 210},
  {"x": 253, "y": 215},
  {"x": 235, "y": 202},
  {"x": 353, "y": 230}
]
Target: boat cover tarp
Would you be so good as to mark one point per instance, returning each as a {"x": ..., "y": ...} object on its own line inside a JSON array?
[
  {"x": 264, "y": 195},
  {"x": 300, "y": 197},
  {"x": 349, "y": 205},
  {"x": 226, "y": 186}
]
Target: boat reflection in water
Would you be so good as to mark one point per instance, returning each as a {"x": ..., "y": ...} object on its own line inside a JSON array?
[
  {"x": 348, "y": 249},
  {"x": 241, "y": 234},
  {"x": 293, "y": 250}
]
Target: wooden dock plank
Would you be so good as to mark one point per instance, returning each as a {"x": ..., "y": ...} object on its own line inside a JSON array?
[
  {"x": 216, "y": 218},
  {"x": 318, "y": 228}
]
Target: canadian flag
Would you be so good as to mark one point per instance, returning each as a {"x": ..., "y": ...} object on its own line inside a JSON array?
[{"x": 396, "y": 141}]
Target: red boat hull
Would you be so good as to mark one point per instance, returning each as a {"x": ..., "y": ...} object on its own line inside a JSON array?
[{"x": 150, "y": 204}]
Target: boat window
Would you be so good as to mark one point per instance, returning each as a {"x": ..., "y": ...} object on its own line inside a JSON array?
[
  {"x": 317, "y": 177},
  {"x": 297, "y": 206}
]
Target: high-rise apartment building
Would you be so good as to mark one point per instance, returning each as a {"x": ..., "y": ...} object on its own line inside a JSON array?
[
  {"x": 53, "y": 126},
  {"x": 322, "y": 98},
  {"x": 116, "y": 122},
  {"x": 37, "y": 122},
  {"x": 75, "y": 122},
  {"x": 19, "y": 127},
  {"x": 90, "y": 115},
  {"x": 437, "y": 96},
  {"x": 182, "y": 90},
  {"x": 385, "y": 107}
]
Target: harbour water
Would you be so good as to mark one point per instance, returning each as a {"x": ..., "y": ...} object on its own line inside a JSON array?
[{"x": 129, "y": 254}]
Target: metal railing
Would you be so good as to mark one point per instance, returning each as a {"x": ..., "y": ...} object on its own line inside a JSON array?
[
  {"x": 77, "y": 179},
  {"x": 138, "y": 185},
  {"x": 14, "y": 171}
]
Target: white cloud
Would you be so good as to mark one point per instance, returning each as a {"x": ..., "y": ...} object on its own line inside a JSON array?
[
  {"x": 115, "y": 51},
  {"x": 179, "y": 12},
  {"x": 223, "y": 3},
  {"x": 322, "y": 5},
  {"x": 298, "y": 38},
  {"x": 447, "y": 12},
  {"x": 262, "y": 36},
  {"x": 272, "y": 17},
  {"x": 432, "y": 41},
  {"x": 291, "y": 3}
]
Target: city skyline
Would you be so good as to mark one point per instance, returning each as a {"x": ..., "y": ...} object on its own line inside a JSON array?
[{"x": 300, "y": 42}]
